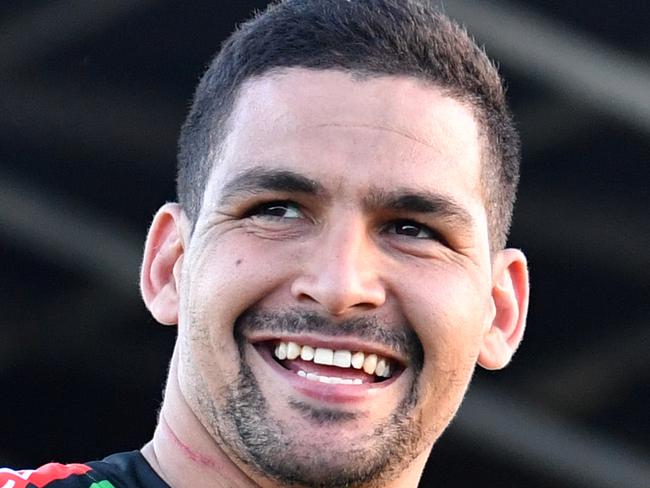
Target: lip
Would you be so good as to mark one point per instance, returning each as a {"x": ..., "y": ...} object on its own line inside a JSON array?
[{"x": 323, "y": 392}]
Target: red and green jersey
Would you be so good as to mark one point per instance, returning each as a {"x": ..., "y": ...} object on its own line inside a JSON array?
[{"x": 124, "y": 470}]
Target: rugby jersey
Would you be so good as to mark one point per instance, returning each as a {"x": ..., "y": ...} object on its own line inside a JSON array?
[{"x": 123, "y": 470}]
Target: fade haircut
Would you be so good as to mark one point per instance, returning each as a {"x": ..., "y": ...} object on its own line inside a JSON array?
[{"x": 364, "y": 38}]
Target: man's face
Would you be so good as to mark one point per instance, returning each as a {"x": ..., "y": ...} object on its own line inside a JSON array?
[{"x": 345, "y": 217}]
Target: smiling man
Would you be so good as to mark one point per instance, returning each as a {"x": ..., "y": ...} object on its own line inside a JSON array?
[{"x": 336, "y": 263}]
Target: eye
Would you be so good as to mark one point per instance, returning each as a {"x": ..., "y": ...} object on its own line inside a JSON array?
[
  {"x": 409, "y": 228},
  {"x": 280, "y": 210}
]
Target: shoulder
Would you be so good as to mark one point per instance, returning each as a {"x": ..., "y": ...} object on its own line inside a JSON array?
[
  {"x": 123, "y": 470},
  {"x": 127, "y": 469},
  {"x": 64, "y": 475}
]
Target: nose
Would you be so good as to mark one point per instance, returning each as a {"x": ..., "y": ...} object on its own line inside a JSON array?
[{"x": 341, "y": 272}]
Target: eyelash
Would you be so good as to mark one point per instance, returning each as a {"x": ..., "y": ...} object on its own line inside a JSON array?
[
  {"x": 430, "y": 233},
  {"x": 259, "y": 210}
]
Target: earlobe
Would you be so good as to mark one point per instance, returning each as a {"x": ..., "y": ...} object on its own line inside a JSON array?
[
  {"x": 510, "y": 293},
  {"x": 162, "y": 262}
]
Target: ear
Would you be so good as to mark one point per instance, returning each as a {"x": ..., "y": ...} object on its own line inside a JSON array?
[
  {"x": 510, "y": 293},
  {"x": 161, "y": 265}
]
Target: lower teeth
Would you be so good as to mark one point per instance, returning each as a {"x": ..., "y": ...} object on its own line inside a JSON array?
[{"x": 332, "y": 380}]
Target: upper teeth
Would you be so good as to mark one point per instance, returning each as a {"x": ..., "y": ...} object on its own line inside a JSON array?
[{"x": 342, "y": 358}]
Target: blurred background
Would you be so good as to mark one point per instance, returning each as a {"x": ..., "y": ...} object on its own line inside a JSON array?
[{"x": 92, "y": 94}]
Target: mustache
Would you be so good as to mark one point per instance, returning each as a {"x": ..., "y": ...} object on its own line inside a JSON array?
[{"x": 401, "y": 339}]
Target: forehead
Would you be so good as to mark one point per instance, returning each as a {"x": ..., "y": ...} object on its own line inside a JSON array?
[{"x": 374, "y": 128}]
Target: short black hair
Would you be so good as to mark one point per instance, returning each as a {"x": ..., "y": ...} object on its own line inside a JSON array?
[{"x": 367, "y": 38}]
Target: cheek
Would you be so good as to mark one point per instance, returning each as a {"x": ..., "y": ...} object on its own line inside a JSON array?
[
  {"x": 449, "y": 315},
  {"x": 229, "y": 276},
  {"x": 448, "y": 308},
  {"x": 220, "y": 284}
]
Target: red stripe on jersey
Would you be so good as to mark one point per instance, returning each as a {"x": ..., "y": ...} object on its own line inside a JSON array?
[{"x": 41, "y": 476}]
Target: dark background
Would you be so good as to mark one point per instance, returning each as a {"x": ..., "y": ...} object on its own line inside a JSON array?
[{"x": 92, "y": 94}]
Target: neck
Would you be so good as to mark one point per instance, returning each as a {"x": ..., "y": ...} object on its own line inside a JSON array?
[{"x": 183, "y": 453}]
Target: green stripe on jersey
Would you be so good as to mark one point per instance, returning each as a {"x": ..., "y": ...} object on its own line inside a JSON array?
[{"x": 102, "y": 484}]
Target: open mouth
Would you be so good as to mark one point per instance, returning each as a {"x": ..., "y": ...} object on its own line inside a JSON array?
[{"x": 332, "y": 366}]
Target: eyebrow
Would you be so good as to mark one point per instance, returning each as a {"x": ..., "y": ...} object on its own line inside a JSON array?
[
  {"x": 260, "y": 179},
  {"x": 420, "y": 202}
]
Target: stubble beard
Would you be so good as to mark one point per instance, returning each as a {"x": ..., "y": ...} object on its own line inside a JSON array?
[{"x": 248, "y": 430}]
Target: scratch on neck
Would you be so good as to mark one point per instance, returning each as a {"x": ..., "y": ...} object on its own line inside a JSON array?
[{"x": 185, "y": 449}]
